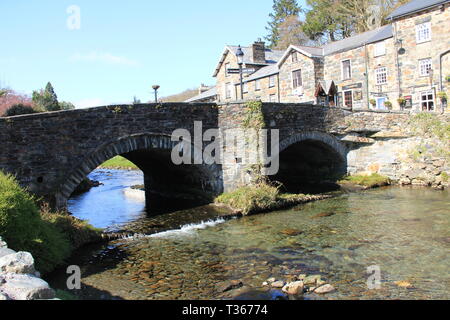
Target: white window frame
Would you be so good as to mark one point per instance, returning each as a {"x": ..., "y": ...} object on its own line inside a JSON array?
[
  {"x": 427, "y": 101},
  {"x": 245, "y": 87},
  {"x": 228, "y": 91},
  {"x": 379, "y": 49},
  {"x": 343, "y": 70},
  {"x": 272, "y": 81},
  {"x": 381, "y": 75},
  {"x": 423, "y": 32},
  {"x": 425, "y": 66},
  {"x": 294, "y": 86},
  {"x": 273, "y": 98},
  {"x": 257, "y": 85}
]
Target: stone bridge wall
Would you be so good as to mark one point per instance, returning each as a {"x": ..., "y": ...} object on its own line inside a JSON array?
[{"x": 50, "y": 153}]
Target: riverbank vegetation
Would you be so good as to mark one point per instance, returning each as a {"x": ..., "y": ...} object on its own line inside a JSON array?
[
  {"x": 49, "y": 236},
  {"x": 368, "y": 181},
  {"x": 262, "y": 197},
  {"x": 118, "y": 163}
]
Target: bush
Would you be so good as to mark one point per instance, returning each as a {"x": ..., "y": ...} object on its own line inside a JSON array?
[
  {"x": 19, "y": 109},
  {"x": 49, "y": 237}
]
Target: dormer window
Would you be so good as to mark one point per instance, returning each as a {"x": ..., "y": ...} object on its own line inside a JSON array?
[{"x": 423, "y": 32}]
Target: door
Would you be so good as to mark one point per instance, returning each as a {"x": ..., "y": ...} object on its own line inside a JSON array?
[
  {"x": 380, "y": 103},
  {"x": 348, "y": 99}
]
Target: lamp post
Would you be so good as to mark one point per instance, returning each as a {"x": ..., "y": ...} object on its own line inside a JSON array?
[
  {"x": 240, "y": 58},
  {"x": 156, "y": 87}
]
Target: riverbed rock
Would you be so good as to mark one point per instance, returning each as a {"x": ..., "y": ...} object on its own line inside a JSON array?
[
  {"x": 294, "y": 288},
  {"x": 404, "y": 284},
  {"x": 291, "y": 232},
  {"x": 325, "y": 289},
  {"x": 6, "y": 252},
  {"x": 228, "y": 285},
  {"x": 278, "y": 284},
  {"x": 26, "y": 287},
  {"x": 2, "y": 243},
  {"x": 312, "y": 280},
  {"x": 20, "y": 262}
]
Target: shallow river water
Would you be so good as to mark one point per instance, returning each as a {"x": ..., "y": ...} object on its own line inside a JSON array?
[{"x": 403, "y": 231}]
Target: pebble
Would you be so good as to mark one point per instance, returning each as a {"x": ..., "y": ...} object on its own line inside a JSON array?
[{"x": 325, "y": 289}]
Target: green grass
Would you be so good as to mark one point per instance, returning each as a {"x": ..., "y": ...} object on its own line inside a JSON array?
[
  {"x": 372, "y": 181},
  {"x": 49, "y": 237},
  {"x": 261, "y": 198},
  {"x": 119, "y": 163}
]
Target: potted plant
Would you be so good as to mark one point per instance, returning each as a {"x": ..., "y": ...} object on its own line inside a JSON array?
[
  {"x": 388, "y": 105},
  {"x": 401, "y": 102},
  {"x": 447, "y": 78},
  {"x": 373, "y": 102},
  {"x": 442, "y": 95}
]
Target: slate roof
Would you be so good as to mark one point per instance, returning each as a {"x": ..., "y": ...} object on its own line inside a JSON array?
[
  {"x": 272, "y": 56},
  {"x": 359, "y": 40},
  {"x": 204, "y": 95},
  {"x": 415, "y": 6},
  {"x": 263, "y": 72}
]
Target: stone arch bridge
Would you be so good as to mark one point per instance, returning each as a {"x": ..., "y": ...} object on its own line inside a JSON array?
[{"x": 51, "y": 153}]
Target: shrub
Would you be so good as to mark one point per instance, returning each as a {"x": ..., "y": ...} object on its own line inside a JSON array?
[
  {"x": 388, "y": 105},
  {"x": 374, "y": 180},
  {"x": 373, "y": 102},
  {"x": 19, "y": 109},
  {"x": 23, "y": 228}
]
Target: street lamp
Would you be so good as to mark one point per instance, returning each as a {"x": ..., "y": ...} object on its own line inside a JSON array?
[
  {"x": 156, "y": 87},
  {"x": 240, "y": 58}
]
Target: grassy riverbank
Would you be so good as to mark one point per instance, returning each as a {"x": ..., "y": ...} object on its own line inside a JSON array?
[
  {"x": 49, "y": 236},
  {"x": 374, "y": 180},
  {"x": 119, "y": 162},
  {"x": 262, "y": 198}
]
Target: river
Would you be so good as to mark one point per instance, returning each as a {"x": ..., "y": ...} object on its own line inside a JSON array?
[{"x": 405, "y": 232}]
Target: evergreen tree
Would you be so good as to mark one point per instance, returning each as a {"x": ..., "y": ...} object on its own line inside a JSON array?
[
  {"x": 46, "y": 100},
  {"x": 281, "y": 10}
]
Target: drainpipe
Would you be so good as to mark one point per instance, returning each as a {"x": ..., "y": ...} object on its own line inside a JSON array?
[
  {"x": 367, "y": 76},
  {"x": 397, "y": 56}
]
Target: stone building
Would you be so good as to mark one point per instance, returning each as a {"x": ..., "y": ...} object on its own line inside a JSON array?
[{"x": 401, "y": 66}]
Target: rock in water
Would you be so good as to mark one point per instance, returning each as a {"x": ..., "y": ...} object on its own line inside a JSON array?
[
  {"x": 294, "y": 288},
  {"x": 278, "y": 284},
  {"x": 325, "y": 289},
  {"x": 5, "y": 252},
  {"x": 229, "y": 285},
  {"x": 21, "y": 262}
]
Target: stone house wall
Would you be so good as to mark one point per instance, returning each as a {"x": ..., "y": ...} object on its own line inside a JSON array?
[
  {"x": 412, "y": 83},
  {"x": 266, "y": 93},
  {"x": 357, "y": 83},
  {"x": 223, "y": 79},
  {"x": 311, "y": 74}
]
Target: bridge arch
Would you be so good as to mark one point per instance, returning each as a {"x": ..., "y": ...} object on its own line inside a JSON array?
[
  {"x": 151, "y": 153},
  {"x": 308, "y": 159}
]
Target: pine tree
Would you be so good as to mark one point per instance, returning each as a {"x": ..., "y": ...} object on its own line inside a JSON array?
[
  {"x": 281, "y": 10},
  {"x": 46, "y": 100}
]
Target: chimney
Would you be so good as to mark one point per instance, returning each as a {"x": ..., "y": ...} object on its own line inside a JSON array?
[
  {"x": 259, "y": 52},
  {"x": 202, "y": 88}
]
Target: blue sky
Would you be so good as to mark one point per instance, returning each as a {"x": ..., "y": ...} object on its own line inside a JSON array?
[{"x": 122, "y": 47}]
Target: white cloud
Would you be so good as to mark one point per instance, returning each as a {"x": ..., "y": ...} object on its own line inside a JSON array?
[{"x": 102, "y": 57}]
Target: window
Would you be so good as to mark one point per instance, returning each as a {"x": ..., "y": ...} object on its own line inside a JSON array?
[
  {"x": 423, "y": 32},
  {"x": 257, "y": 85},
  {"x": 427, "y": 100},
  {"x": 271, "y": 81},
  {"x": 381, "y": 75},
  {"x": 273, "y": 98},
  {"x": 294, "y": 56},
  {"x": 227, "y": 66},
  {"x": 228, "y": 91},
  {"x": 297, "y": 79},
  {"x": 245, "y": 87},
  {"x": 425, "y": 66},
  {"x": 380, "y": 103},
  {"x": 379, "y": 49},
  {"x": 346, "y": 70},
  {"x": 348, "y": 99}
]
